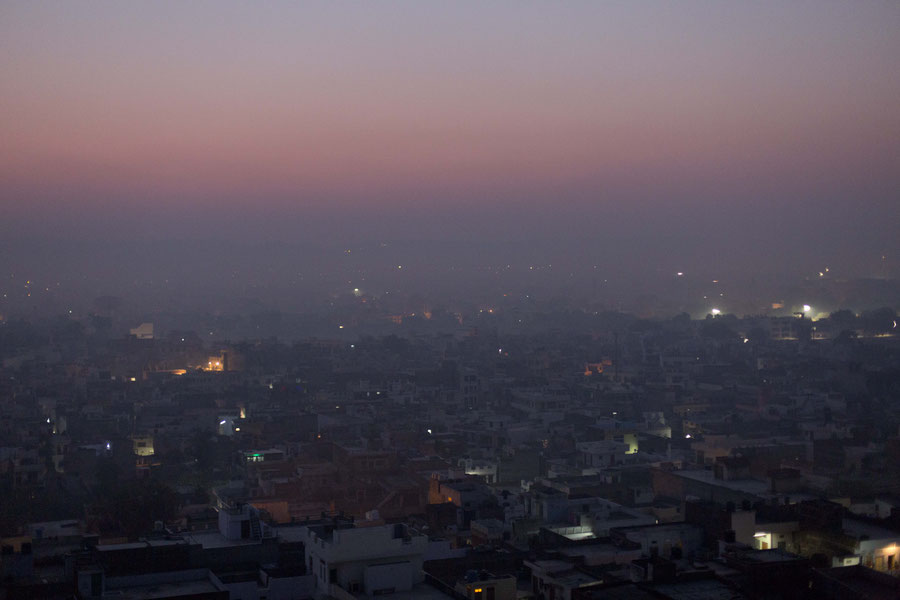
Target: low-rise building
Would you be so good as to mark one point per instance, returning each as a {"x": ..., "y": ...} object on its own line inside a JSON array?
[{"x": 370, "y": 560}]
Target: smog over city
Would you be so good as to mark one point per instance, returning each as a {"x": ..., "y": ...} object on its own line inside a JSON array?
[{"x": 497, "y": 300}]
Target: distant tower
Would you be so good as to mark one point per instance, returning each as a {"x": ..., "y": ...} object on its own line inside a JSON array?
[{"x": 469, "y": 387}]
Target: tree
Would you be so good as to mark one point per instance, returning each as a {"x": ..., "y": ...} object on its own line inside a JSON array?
[
  {"x": 717, "y": 329},
  {"x": 65, "y": 330},
  {"x": 108, "y": 474},
  {"x": 843, "y": 319},
  {"x": 803, "y": 328},
  {"x": 845, "y": 337},
  {"x": 136, "y": 505},
  {"x": 758, "y": 335},
  {"x": 881, "y": 320}
]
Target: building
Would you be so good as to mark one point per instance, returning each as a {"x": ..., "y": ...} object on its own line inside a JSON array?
[
  {"x": 371, "y": 560},
  {"x": 481, "y": 585}
]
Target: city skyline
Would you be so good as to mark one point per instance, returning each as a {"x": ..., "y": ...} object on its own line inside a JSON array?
[{"x": 449, "y": 300}]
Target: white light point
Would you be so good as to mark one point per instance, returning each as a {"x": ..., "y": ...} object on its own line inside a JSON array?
[{"x": 715, "y": 312}]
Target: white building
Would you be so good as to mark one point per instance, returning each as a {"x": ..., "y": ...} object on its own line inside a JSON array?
[
  {"x": 602, "y": 453},
  {"x": 144, "y": 331},
  {"x": 364, "y": 560}
]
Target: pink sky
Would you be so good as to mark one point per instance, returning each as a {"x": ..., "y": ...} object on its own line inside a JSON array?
[{"x": 294, "y": 107}]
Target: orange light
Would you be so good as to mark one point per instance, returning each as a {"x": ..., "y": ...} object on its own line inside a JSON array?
[{"x": 477, "y": 590}]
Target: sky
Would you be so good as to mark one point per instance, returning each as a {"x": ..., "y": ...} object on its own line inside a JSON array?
[{"x": 748, "y": 131}]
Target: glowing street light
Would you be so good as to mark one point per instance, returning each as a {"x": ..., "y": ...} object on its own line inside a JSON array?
[
  {"x": 807, "y": 308},
  {"x": 715, "y": 312}
]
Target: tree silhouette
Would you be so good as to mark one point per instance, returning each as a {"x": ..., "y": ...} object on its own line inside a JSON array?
[{"x": 135, "y": 505}]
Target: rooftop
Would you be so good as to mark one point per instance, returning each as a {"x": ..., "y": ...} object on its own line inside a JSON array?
[
  {"x": 859, "y": 528},
  {"x": 421, "y": 591},
  {"x": 749, "y": 486},
  {"x": 179, "y": 589},
  {"x": 214, "y": 539},
  {"x": 704, "y": 589},
  {"x": 865, "y": 582}
]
